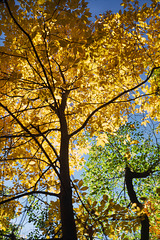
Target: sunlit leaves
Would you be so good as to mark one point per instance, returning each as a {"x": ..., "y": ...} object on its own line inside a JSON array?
[
  {"x": 104, "y": 218},
  {"x": 58, "y": 67}
]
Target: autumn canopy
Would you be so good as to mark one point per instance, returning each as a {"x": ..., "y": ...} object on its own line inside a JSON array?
[{"x": 61, "y": 76}]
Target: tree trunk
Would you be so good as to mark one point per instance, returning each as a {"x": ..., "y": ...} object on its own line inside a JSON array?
[
  {"x": 129, "y": 175},
  {"x": 145, "y": 228},
  {"x": 67, "y": 215}
]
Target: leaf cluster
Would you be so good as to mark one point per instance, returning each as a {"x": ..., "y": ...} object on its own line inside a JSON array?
[{"x": 105, "y": 168}]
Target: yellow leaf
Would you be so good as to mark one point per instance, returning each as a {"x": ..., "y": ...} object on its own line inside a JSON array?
[
  {"x": 32, "y": 162},
  {"x": 134, "y": 142},
  {"x": 41, "y": 1},
  {"x": 80, "y": 183},
  {"x": 134, "y": 205},
  {"x": 100, "y": 142},
  {"x": 84, "y": 188}
]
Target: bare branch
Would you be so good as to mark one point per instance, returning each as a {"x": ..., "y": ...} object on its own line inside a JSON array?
[
  {"x": 60, "y": 70},
  {"x": 28, "y": 193},
  {"x": 42, "y": 134},
  {"x": 27, "y": 135},
  {"x": 12, "y": 55}
]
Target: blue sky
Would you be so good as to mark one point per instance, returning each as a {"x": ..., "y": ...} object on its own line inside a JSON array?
[{"x": 100, "y": 6}]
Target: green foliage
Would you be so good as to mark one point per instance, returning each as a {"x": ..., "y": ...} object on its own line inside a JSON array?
[
  {"x": 130, "y": 146},
  {"x": 42, "y": 218},
  {"x": 105, "y": 168},
  {"x": 11, "y": 233}
]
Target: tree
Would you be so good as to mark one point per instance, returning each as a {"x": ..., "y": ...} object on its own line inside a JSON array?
[
  {"x": 60, "y": 75},
  {"x": 118, "y": 158}
]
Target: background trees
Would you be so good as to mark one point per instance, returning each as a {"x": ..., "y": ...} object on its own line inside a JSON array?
[
  {"x": 60, "y": 75},
  {"x": 136, "y": 148}
]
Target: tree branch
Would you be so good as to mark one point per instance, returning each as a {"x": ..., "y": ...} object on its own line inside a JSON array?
[
  {"x": 12, "y": 55},
  {"x": 130, "y": 189},
  {"x": 60, "y": 70},
  {"x": 41, "y": 134},
  {"x": 34, "y": 49},
  {"x": 112, "y": 101},
  {"x": 27, "y": 136},
  {"x": 32, "y": 136},
  {"x": 28, "y": 193}
]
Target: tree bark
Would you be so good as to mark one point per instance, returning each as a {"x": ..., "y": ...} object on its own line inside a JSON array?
[
  {"x": 145, "y": 228},
  {"x": 67, "y": 215},
  {"x": 129, "y": 175}
]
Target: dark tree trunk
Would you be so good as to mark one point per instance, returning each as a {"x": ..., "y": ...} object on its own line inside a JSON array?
[
  {"x": 145, "y": 228},
  {"x": 129, "y": 175},
  {"x": 67, "y": 215}
]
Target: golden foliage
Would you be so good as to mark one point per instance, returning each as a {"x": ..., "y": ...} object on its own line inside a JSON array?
[{"x": 55, "y": 63}]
